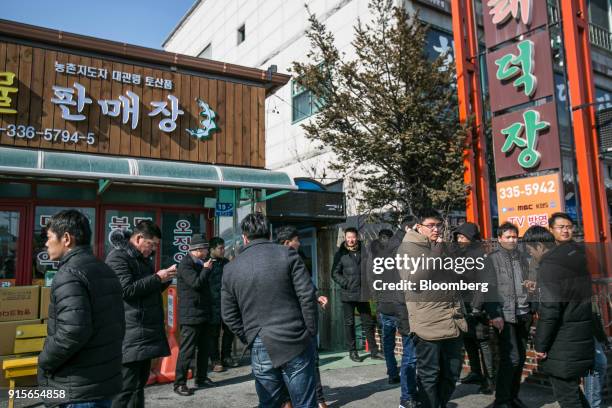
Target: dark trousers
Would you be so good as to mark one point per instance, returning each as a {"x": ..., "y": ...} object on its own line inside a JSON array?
[
  {"x": 193, "y": 337},
  {"x": 512, "y": 351},
  {"x": 135, "y": 376},
  {"x": 367, "y": 321},
  {"x": 227, "y": 339},
  {"x": 474, "y": 349},
  {"x": 568, "y": 393},
  {"x": 438, "y": 369}
]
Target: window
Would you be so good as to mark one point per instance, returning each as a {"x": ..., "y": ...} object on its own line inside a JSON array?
[
  {"x": 206, "y": 52},
  {"x": 303, "y": 102},
  {"x": 599, "y": 13},
  {"x": 122, "y": 219},
  {"x": 241, "y": 34},
  {"x": 42, "y": 266},
  {"x": 9, "y": 236},
  {"x": 177, "y": 230}
]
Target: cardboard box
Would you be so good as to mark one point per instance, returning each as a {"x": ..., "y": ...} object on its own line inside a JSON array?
[
  {"x": 19, "y": 303},
  {"x": 45, "y": 298},
  {"x": 7, "y": 334}
]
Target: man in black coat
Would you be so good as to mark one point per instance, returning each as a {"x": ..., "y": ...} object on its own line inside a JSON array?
[
  {"x": 81, "y": 358},
  {"x": 268, "y": 302},
  {"x": 194, "y": 307},
  {"x": 145, "y": 334},
  {"x": 348, "y": 271},
  {"x": 564, "y": 332},
  {"x": 224, "y": 357}
]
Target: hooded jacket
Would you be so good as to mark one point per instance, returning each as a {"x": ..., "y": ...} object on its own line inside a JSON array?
[
  {"x": 441, "y": 318},
  {"x": 145, "y": 334},
  {"x": 565, "y": 328},
  {"x": 82, "y": 350}
]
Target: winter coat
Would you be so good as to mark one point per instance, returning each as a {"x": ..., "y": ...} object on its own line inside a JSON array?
[
  {"x": 501, "y": 301},
  {"x": 565, "y": 328},
  {"x": 267, "y": 292},
  {"x": 82, "y": 350},
  {"x": 348, "y": 271},
  {"x": 145, "y": 332},
  {"x": 437, "y": 319},
  {"x": 194, "y": 300},
  {"x": 214, "y": 285}
]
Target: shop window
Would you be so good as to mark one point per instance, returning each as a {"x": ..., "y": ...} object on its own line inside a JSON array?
[
  {"x": 42, "y": 266},
  {"x": 177, "y": 230},
  {"x": 122, "y": 219},
  {"x": 65, "y": 192},
  {"x": 15, "y": 190},
  {"x": 9, "y": 236}
]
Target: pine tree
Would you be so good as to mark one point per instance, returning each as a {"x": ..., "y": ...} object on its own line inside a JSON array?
[{"x": 389, "y": 115}]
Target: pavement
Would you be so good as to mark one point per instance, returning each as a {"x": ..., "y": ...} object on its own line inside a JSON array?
[{"x": 345, "y": 384}]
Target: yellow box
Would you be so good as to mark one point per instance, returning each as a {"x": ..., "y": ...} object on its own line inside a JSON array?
[
  {"x": 19, "y": 303},
  {"x": 7, "y": 334}
]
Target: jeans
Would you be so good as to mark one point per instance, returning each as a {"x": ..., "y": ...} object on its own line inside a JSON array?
[
  {"x": 91, "y": 404},
  {"x": 367, "y": 321},
  {"x": 438, "y": 367},
  {"x": 408, "y": 365},
  {"x": 595, "y": 381},
  {"x": 297, "y": 375},
  {"x": 567, "y": 392},
  {"x": 512, "y": 353}
]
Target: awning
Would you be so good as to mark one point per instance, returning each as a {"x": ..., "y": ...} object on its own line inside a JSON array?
[{"x": 97, "y": 167}]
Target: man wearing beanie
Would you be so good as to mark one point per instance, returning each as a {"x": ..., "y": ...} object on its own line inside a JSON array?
[{"x": 194, "y": 316}]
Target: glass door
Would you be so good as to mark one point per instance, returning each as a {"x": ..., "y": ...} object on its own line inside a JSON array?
[{"x": 12, "y": 229}]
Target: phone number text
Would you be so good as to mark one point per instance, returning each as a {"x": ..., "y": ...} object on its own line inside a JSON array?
[
  {"x": 544, "y": 187},
  {"x": 50, "y": 135}
]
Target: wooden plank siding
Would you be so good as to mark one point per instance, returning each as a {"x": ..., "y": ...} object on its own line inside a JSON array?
[{"x": 239, "y": 108}]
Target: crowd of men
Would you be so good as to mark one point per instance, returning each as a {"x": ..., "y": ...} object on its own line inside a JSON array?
[{"x": 266, "y": 298}]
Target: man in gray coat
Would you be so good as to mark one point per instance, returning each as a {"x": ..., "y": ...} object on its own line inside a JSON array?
[{"x": 268, "y": 301}]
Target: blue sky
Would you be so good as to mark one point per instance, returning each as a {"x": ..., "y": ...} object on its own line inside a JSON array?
[{"x": 140, "y": 22}]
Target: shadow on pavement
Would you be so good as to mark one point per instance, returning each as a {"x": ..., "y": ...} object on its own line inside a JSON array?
[{"x": 339, "y": 396}]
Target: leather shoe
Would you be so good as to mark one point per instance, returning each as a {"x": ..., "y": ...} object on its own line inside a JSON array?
[
  {"x": 394, "y": 380},
  {"x": 472, "y": 378},
  {"x": 230, "y": 362},
  {"x": 355, "y": 357},
  {"x": 322, "y": 404},
  {"x": 377, "y": 355},
  {"x": 206, "y": 383},
  {"x": 517, "y": 403},
  {"x": 183, "y": 390},
  {"x": 218, "y": 367}
]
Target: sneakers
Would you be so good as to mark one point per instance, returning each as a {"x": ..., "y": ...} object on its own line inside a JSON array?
[
  {"x": 183, "y": 390},
  {"x": 472, "y": 378},
  {"x": 354, "y": 356},
  {"x": 408, "y": 404},
  {"x": 218, "y": 367}
]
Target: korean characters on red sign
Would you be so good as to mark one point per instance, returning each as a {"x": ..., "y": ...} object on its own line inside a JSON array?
[{"x": 182, "y": 239}]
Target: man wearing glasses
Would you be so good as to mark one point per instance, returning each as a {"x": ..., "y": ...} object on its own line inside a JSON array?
[{"x": 436, "y": 319}]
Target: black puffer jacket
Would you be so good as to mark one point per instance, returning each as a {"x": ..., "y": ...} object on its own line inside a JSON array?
[
  {"x": 193, "y": 294},
  {"x": 82, "y": 351},
  {"x": 565, "y": 328},
  {"x": 348, "y": 271},
  {"x": 214, "y": 285},
  {"x": 145, "y": 334}
]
